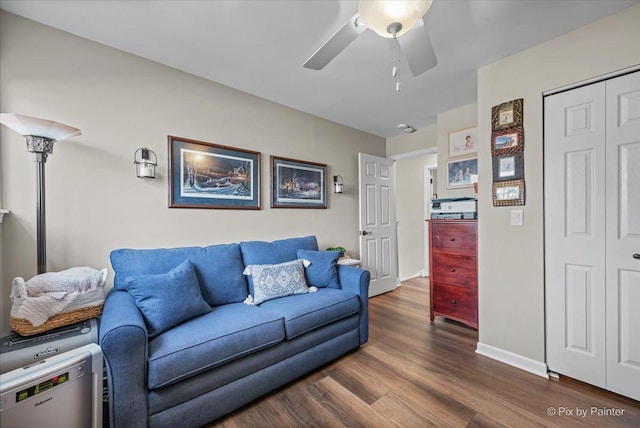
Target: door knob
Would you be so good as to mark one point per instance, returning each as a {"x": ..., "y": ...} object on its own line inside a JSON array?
[
  {"x": 636, "y": 256},
  {"x": 364, "y": 233}
]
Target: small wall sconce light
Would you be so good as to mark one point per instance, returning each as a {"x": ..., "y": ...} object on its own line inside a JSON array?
[
  {"x": 337, "y": 184},
  {"x": 145, "y": 166}
]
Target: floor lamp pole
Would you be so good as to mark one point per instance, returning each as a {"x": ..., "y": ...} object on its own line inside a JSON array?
[
  {"x": 40, "y": 147},
  {"x": 41, "y": 222}
]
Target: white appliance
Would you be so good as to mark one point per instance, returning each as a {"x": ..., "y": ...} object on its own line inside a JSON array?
[
  {"x": 18, "y": 351},
  {"x": 454, "y": 208},
  {"x": 63, "y": 391}
]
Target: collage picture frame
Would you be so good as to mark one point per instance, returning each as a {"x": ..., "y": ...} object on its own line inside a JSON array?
[{"x": 507, "y": 153}]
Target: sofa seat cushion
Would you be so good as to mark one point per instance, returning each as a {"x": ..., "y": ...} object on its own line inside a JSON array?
[
  {"x": 306, "y": 312},
  {"x": 226, "y": 333}
]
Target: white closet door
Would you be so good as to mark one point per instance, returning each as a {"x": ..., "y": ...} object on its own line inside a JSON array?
[
  {"x": 623, "y": 235},
  {"x": 574, "y": 169}
]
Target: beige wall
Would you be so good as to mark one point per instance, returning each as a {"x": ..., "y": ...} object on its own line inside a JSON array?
[
  {"x": 454, "y": 120},
  {"x": 122, "y": 102},
  {"x": 409, "y": 152},
  {"x": 423, "y": 138},
  {"x": 410, "y": 206},
  {"x": 511, "y": 258}
]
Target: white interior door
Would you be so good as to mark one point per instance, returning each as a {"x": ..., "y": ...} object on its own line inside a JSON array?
[
  {"x": 574, "y": 170},
  {"x": 623, "y": 235},
  {"x": 378, "y": 222}
]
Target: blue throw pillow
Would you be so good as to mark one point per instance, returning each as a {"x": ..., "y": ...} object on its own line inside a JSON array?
[
  {"x": 323, "y": 271},
  {"x": 168, "y": 299},
  {"x": 279, "y": 280}
]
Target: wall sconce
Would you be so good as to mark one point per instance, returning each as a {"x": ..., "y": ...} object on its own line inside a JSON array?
[
  {"x": 145, "y": 166},
  {"x": 337, "y": 184}
]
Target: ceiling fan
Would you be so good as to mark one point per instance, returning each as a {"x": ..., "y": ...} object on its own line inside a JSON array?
[{"x": 390, "y": 19}]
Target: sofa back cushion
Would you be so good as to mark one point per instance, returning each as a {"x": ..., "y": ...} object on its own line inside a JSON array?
[
  {"x": 283, "y": 250},
  {"x": 218, "y": 269}
]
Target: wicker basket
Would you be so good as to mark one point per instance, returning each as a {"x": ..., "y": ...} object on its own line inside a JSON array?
[
  {"x": 85, "y": 306},
  {"x": 25, "y": 328}
]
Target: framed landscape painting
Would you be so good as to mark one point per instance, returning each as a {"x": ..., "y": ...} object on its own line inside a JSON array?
[
  {"x": 205, "y": 175},
  {"x": 298, "y": 184}
]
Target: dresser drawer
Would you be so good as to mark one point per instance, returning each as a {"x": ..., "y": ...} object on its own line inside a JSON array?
[
  {"x": 454, "y": 269},
  {"x": 454, "y": 238},
  {"x": 455, "y": 302}
]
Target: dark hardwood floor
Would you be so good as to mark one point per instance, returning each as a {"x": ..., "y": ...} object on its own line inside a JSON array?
[{"x": 415, "y": 374}]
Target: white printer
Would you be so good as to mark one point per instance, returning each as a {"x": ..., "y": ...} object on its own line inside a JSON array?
[{"x": 454, "y": 208}]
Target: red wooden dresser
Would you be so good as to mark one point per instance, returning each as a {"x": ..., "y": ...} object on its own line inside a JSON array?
[{"x": 453, "y": 283}]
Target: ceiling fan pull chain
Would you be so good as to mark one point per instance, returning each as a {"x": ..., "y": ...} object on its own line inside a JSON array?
[{"x": 395, "y": 72}]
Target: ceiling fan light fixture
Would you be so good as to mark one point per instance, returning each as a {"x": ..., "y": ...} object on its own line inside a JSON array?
[{"x": 386, "y": 16}]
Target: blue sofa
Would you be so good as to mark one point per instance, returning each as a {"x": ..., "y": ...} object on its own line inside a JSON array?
[{"x": 191, "y": 373}]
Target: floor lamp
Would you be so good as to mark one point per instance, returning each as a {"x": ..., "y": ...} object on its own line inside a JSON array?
[{"x": 40, "y": 135}]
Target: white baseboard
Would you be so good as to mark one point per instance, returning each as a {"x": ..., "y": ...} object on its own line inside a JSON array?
[
  {"x": 515, "y": 360},
  {"x": 417, "y": 275}
]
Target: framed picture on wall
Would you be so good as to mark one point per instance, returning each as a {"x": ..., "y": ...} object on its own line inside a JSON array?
[
  {"x": 460, "y": 172},
  {"x": 298, "y": 184},
  {"x": 507, "y": 141},
  {"x": 463, "y": 143},
  {"x": 507, "y": 115},
  {"x": 509, "y": 167},
  {"x": 508, "y": 193},
  {"x": 205, "y": 175}
]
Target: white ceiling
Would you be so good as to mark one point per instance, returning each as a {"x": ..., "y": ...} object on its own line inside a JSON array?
[{"x": 259, "y": 47}]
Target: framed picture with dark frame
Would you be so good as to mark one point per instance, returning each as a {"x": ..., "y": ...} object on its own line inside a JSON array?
[
  {"x": 298, "y": 184},
  {"x": 507, "y": 115},
  {"x": 205, "y": 175},
  {"x": 508, "y": 193},
  {"x": 509, "y": 167},
  {"x": 459, "y": 172},
  {"x": 507, "y": 141}
]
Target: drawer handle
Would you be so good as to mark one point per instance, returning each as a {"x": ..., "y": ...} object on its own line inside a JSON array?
[
  {"x": 452, "y": 239},
  {"x": 452, "y": 270},
  {"x": 453, "y": 302}
]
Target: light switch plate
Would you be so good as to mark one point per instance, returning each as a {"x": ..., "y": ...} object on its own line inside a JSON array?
[{"x": 517, "y": 217}]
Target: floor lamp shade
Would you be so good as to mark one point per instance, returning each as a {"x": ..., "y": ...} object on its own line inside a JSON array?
[{"x": 40, "y": 134}]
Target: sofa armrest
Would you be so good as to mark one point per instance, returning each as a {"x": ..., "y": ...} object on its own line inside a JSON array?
[
  {"x": 123, "y": 338},
  {"x": 356, "y": 281}
]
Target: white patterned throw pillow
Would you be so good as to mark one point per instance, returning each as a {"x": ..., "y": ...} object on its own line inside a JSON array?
[{"x": 278, "y": 280}]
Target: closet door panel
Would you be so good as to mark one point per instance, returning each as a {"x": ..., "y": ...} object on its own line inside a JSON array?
[
  {"x": 623, "y": 235},
  {"x": 574, "y": 168}
]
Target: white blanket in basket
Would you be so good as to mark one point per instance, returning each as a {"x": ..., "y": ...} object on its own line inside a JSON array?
[{"x": 52, "y": 293}]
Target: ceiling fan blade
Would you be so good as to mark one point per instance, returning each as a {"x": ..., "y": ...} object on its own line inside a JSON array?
[
  {"x": 336, "y": 44},
  {"x": 417, "y": 48}
]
